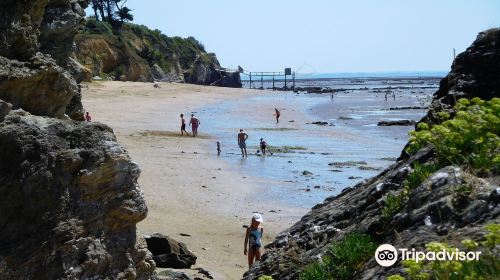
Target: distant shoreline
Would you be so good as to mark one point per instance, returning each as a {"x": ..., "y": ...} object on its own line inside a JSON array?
[{"x": 360, "y": 76}]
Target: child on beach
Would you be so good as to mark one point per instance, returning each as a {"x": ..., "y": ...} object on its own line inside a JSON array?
[
  {"x": 218, "y": 148},
  {"x": 277, "y": 114},
  {"x": 88, "y": 118},
  {"x": 263, "y": 146},
  {"x": 183, "y": 126},
  {"x": 253, "y": 240}
]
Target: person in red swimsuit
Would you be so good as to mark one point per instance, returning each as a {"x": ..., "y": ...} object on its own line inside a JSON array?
[{"x": 194, "y": 123}]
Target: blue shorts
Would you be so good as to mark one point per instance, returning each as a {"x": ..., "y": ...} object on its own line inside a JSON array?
[{"x": 242, "y": 145}]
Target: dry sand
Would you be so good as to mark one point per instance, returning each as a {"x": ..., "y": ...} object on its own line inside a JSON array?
[{"x": 188, "y": 189}]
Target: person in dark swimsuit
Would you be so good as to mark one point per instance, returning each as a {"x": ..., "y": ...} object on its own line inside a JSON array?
[
  {"x": 253, "y": 240},
  {"x": 277, "y": 114},
  {"x": 183, "y": 126},
  {"x": 263, "y": 146}
]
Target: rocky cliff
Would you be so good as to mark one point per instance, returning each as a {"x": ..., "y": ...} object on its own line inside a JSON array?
[
  {"x": 69, "y": 198},
  {"x": 136, "y": 53},
  {"x": 451, "y": 204}
]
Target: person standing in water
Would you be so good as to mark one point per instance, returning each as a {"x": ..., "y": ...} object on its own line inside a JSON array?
[
  {"x": 194, "y": 123},
  {"x": 218, "y": 148},
  {"x": 277, "y": 114},
  {"x": 183, "y": 126},
  {"x": 242, "y": 138},
  {"x": 253, "y": 240}
]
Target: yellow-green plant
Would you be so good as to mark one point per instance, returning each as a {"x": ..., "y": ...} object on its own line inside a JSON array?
[
  {"x": 265, "y": 277},
  {"x": 470, "y": 138},
  {"x": 487, "y": 267}
]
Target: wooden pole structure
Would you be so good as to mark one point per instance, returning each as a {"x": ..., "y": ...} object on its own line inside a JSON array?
[
  {"x": 285, "y": 81},
  {"x": 273, "y": 82},
  {"x": 250, "y": 80},
  {"x": 262, "y": 81},
  {"x": 293, "y": 77}
]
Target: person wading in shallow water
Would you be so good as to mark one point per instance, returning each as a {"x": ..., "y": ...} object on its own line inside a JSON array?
[
  {"x": 194, "y": 123},
  {"x": 183, "y": 126},
  {"x": 277, "y": 114},
  {"x": 242, "y": 138},
  {"x": 253, "y": 240}
]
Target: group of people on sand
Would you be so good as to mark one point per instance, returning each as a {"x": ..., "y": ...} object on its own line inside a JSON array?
[{"x": 193, "y": 122}]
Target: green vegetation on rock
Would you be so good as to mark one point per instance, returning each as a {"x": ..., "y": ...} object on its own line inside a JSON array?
[
  {"x": 468, "y": 139},
  {"x": 343, "y": 259},
  {"x": 487, "y": 267}
]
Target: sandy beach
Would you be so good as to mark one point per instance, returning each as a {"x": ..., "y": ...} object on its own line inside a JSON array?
[
  {"x": 203, "y": 199},
  {"x": 188, "y": 189}
]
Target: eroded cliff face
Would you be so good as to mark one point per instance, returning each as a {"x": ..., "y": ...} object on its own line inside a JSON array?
[
  {"x": 69, "y": 197},
  {"x": 31, "y": 36},
  {"x": 435, "y": 210},
  {"x": 136, "y": 53}
]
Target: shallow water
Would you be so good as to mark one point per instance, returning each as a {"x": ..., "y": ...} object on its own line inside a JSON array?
[{"x": 352, "y": 136}]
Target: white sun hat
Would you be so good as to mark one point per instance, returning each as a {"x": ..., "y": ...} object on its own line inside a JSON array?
[{"x": 257, "y": 217}]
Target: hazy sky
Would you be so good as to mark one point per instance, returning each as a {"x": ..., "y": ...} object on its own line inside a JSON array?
[{"x": 325, "y": 35}]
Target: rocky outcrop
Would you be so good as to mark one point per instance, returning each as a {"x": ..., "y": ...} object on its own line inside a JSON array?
[
  {"x": 136, "y": 53},
  {"x": 39, "y": 85},
  {"x": 69, "y": 200},
  {"x": 396, "y": 123},
  {"x": 440, "y": 208},
  {"x": 69, "y": 197},
  {"x": 169, "y": 253},
  {"x": 28, "y": 28}
]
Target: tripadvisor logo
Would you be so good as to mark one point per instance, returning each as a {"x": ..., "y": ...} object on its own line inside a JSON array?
[{"x": 387, "y": 255}]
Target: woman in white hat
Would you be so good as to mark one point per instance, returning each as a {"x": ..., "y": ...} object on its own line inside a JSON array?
[{"x": 253, "y": 239}]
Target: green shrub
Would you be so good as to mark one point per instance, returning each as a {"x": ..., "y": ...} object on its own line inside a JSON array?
[
  {"x": 470, "y": 138},
  {"x": 487, "y": 267},
  {"x": 343, "y": 259},
  {"x": 265, "y": 277}
]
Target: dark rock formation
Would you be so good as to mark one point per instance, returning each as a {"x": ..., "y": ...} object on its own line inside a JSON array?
[
  {"x": 26, "y": 28},
  {"x": 169, "y": 253},
  {"x": 398, "y": 122},
  {"x": 69, "y": 200},
  {"x": 4, "y": 109},
  {"x": 435, "y": 211}
]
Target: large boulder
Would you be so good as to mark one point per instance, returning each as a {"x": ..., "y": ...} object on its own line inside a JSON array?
[
  {"x": 29, "y": 79},
  {"x": 70, "y": 202},
  {"x": 169, "y": 253},
  {"x": 39, "y": 85}
]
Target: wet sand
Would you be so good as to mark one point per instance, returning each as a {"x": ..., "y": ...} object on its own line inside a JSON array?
[{"x": 188, "y": 189}]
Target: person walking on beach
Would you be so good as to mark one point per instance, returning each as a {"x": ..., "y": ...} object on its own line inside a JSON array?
[
  {"x": 218, "y": 148},
  {"x": 263, "y": 146},
  {"x": 253, "y": 240},
  {"x": 277, "y": 114},
  {"x": 242, "y": 138},
  {"x": 386, "y": 96},
  {"x": 88, "y": 118},
  {"x": 194, "y": 123},
  {"x": 394, "y": 95},
  {"x": 183, "y": 126}
]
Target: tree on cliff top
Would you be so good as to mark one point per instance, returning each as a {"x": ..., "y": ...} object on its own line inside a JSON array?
[{"x": 112, "y": 11}]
